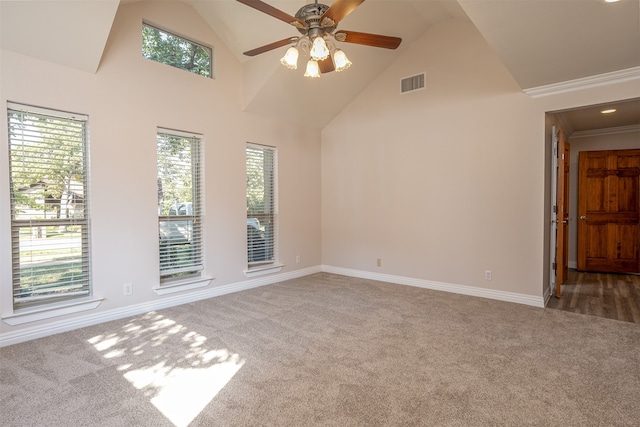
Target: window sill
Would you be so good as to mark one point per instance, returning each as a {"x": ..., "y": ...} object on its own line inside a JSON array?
[
  {"x": 183, "y": 285},
  {"x": 263, "y": 269},
  {"x": 42, "y": 313}
]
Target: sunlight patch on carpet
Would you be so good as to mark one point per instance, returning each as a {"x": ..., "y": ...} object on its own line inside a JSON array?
[
  {"x": 170, "y": 364},
  {"x": 182, "y": 393}
]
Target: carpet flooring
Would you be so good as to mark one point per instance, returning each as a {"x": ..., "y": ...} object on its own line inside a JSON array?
[{"x": 330, "y": 350}]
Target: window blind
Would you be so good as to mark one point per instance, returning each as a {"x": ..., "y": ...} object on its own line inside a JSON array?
[
  {"x": 49, "y": 205},
  {"x": 261, "y": 205},
  {"x": 179, "y": 204}
]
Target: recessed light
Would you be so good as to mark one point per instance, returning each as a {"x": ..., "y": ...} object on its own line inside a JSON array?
[
  {"x": 611, "y": 1},
  {"x": 609, "y": 111}
]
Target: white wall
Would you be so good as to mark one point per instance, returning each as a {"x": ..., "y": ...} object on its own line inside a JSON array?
[
  {"x": 448, "y": 182},
  {"x": 126, "y": 100},
  {"x": 593, "y": 142}
]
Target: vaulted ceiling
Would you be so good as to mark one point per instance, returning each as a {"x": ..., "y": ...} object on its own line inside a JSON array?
[{"x": 540, "y": 42}]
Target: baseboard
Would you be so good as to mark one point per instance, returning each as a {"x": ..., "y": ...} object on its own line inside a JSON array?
[
  {"x": 440, "y": 286},
  {"x": 56, "y": 327}
]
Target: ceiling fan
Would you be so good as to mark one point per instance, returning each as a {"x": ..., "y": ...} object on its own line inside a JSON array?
[{"x": 317, "y": 23}]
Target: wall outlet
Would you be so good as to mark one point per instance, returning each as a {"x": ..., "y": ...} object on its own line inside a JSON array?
[
  {"x": 128, "y": 289},
  {"x": 379, "y": 262},
  {"x": 487, "y": 275},
  {"x": 297, "y": 259}
]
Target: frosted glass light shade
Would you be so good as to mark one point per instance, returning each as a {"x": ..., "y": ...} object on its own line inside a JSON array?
[
  {"x": 340, "y": 60},
  {"x": 290, "y": 59},
  {"x": 319, "y": 50},
  {"x": 312, "y": 69}
]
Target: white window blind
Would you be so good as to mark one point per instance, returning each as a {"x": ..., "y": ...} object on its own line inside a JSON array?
[
  {"x": 49, "y": 205},
  {"x": 261, "y": 205},
  {"x": 179, "y": 204}
]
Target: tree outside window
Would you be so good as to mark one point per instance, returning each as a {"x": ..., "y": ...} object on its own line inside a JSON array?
[{"x": 166, "y": 48}]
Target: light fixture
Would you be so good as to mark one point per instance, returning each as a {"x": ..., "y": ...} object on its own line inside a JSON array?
[
  {"x": 290, "y": 59},
  {"x": 313, "y": 70},
  {"x": 340, "y": 60},
  {"x": 317, "y": 24},
  {"x": 319, "y": 50},
  {"x": 609, "y": 111}
]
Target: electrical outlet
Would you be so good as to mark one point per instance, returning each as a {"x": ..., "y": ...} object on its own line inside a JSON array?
[
  {"x": 379, "y": 262},
  {"x": 128, "y": 289},
  {"x": 487, "y": 275},
  {"x": 297, "y": 259}
]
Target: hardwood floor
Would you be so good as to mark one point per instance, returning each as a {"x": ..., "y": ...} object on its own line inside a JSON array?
[{"x": 614, "y": 296}]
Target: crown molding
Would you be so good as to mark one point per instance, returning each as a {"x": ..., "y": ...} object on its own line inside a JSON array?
[
  {"x": 605, "y": 131},
  {"x": 584, "y": 83}
]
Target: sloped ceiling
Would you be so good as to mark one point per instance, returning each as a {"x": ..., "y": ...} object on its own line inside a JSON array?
[
  {"x": 71, "y": 33},
  {"x": 545, "y": 42},
  {"x": 540, "y": 42},
  {"x": 243, "y": 28}
]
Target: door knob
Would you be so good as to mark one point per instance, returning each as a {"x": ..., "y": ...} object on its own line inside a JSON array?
[{"x": 583, "y": 217}]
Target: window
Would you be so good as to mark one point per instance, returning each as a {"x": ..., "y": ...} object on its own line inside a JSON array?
[
  {"x": 261, "y": 205},
  {"x": 169, "y": 49},
  {"x": 179, "y": 204},
  {"x": 49, "y": 205}
]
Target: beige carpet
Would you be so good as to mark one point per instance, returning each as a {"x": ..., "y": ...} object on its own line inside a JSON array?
[{"x": 335, "y": 351}]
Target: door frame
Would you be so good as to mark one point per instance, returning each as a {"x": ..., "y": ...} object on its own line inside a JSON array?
[
  {"x": 559, "y": 230},
  {"x": 554, "y": 214},
  {"x": 562, "y": 200}
]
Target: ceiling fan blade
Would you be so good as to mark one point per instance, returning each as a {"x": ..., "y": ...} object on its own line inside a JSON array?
[
  {"x": 272, "y": 11},
  {"x": 367, "y": 39},
  {"x": 340, "y": 9},
  {"x": 326, "y": 65},
  {"x": 270, "y": 46}
]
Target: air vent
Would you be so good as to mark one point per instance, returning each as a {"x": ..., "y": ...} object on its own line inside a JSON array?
[{"x": 409, "y": 84}]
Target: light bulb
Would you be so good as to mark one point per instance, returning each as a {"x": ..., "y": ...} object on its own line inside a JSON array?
[
  {"x": 340, "y": 60},
  {"x": 312, "y": 69},
  {"x": 319, "y": 50},
  {"x": 290, "y": 59}
]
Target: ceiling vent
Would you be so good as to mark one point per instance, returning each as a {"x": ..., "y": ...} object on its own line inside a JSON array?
[{"x": 413, "y": 83}]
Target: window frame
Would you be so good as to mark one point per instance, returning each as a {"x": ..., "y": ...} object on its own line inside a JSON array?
[
  {"x": 208, "y": 49},
  {"x": 61, "y": 127},
  {"x": 179, "y": 230},
  {"x": 268, "y": 220}
]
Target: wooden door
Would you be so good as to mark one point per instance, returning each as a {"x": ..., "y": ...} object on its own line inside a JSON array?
[
  {"x": 609, "y": 211},
  {"x": 562, "y": 200}
]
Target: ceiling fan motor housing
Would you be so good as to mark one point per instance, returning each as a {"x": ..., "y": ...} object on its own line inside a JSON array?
[
  {"x": 315, "y": 26},
  {"x": 318, "y": 22}
]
